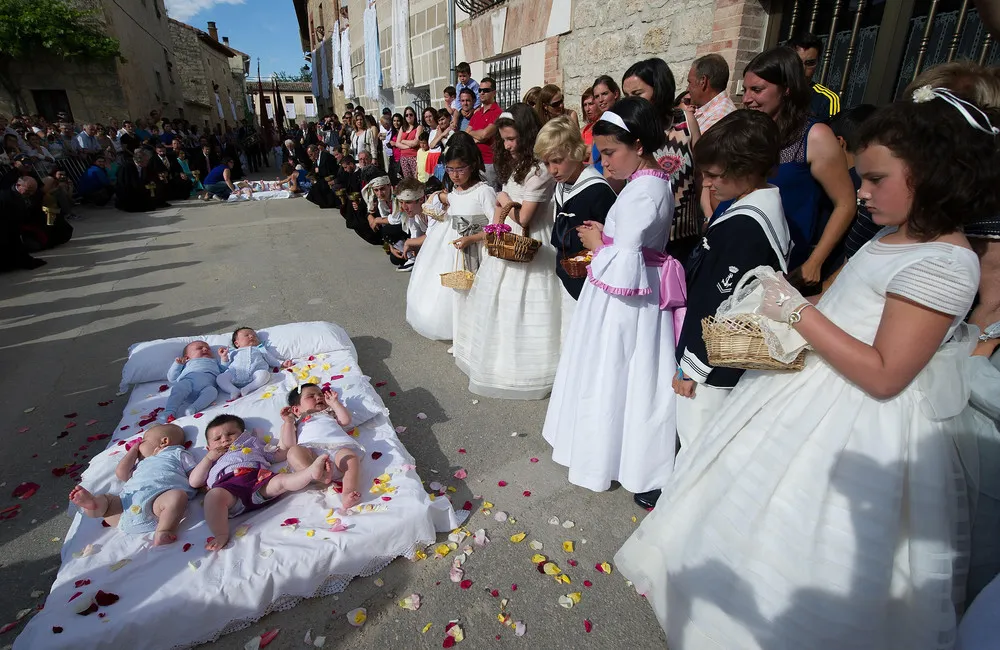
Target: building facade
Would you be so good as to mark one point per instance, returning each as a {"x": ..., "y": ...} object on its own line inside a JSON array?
[
  {"x": 296, "y": 99},
  {"x": 214, "y": 97},
  {"x": 94, "y": 92},
  {"x": 320, "y": 26}
]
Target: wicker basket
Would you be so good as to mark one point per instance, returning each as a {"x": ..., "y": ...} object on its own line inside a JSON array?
[
  {"x": 431, "y": 213},
  {"x": 459, "y": 279},
  {"x": 511, "y": 247},
  {"x": 575, "y": 267},
  {"x": 737, "y": 342}
]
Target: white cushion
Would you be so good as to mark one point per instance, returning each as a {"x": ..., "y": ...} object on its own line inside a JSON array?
[{"x": 150, "y": 360}]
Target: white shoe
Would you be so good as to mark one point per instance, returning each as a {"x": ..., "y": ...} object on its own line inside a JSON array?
[
  {"x": 406, "y": 267},
  {"x": 451, "y": 350}
]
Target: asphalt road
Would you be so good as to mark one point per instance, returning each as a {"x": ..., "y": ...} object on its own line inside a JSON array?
[{"x": 64, "y": 331}]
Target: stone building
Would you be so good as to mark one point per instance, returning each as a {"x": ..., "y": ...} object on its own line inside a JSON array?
[
  {"x": 213, "y": 95},
  {"x": 317, "y": 20},
  {"x": 94, "y": 92},
  {"x": 297, "y": 100}
]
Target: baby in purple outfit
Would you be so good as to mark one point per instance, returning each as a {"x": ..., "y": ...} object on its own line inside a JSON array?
[{"x": 238, "y": 475}]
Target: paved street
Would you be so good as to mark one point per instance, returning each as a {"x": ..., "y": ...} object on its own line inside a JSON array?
[{"x": 197, "y": 268}]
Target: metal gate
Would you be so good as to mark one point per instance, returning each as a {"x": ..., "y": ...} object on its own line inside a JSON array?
[{"x": 506, "y": 73}]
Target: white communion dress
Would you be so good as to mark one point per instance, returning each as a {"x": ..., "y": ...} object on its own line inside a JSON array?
[
  {"x": 809, "y": 514},
  {"x": 611, "y": 415},
  {"x": 509, "y": 333},
  {"x": 429, "y": 305}
]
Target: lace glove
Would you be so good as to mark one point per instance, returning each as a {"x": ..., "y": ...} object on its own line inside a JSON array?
[{"x": 780, "y": 301}]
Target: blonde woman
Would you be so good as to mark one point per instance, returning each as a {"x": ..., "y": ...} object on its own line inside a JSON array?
[{"x": 551, "y": 103}]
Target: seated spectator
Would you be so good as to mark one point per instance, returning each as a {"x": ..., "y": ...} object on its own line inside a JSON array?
[
  {"x": 10, "y": 149},
  {"x": 134, "y": 187},
  {"x": 14, "y": 206},
  {"x": 87, "y": 140},
  {"x": 96, "y": 186},
  {"x": 40, "y": 156},
  {"x": 107, "y": 143},
  {"x": 71, "y": 146},
  {"x": 140, "y": 129},
  {"x": 168, "y": 135},
  {"x": 129, "y": 139},
  {"x": 219, "y": 181}
]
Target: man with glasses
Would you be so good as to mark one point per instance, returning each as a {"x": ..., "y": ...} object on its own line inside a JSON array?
[
  {"x": 825, "y": 103},
  {"x": 482, "y": 126}
]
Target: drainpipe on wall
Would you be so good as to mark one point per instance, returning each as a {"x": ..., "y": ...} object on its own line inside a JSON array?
[{"x": 451, "y": 40}]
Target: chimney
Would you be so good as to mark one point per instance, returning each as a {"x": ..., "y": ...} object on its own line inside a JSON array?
[
  {"x": 213, "y": 31},
  {"x": 225, "y": 41}
]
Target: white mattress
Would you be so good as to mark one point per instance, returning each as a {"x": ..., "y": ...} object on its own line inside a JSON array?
[{"x": 171, "y": 598}]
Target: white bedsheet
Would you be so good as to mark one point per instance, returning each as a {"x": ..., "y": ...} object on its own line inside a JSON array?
[
  {"x": 172, "y": 598},
  {"x": 267, "y": 195}
]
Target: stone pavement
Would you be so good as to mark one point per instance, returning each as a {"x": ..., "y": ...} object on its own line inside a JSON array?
[{"x": 64, "y": 332}]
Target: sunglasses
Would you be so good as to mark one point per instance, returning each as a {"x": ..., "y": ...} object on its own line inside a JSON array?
[
  {"x": 557, "y": 104},
  {"x": 485, "y": 90}
]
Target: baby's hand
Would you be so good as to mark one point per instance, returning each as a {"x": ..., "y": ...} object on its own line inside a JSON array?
[
  {"x": 331, "y": 397},
  {"x": 287, "y": 364},
  {"x": 179, "y": 360},
  {"x": 224, "y": 353},
  {"x": 216, "y": 454},
  {"x": 288, "y": 415}
]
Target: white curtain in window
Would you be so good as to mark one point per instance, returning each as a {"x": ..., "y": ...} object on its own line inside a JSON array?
[
  {"x": 270, "y": 110},
  {"x": 290, "y": 110},
  {"x": 345, "y": 59},
  {"x": 338, "y": 69},
  {"x": 373, "y": 59},
  {"x": 310, "y": 110},
  {"x": 400, "y": 43}
]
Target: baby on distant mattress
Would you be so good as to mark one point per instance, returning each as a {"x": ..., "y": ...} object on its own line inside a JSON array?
[{"x": 317, "y": 421}]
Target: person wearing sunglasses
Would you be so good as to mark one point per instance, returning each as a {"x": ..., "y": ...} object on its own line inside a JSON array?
[
  {"x": 482, "y": 126},
  {"x": 824, "y": 103},
  {"x": 550, "y": 102}
]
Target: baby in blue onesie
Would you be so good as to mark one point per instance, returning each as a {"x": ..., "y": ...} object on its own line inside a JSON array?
[
  {"x": 192, "y": 381},
  {"x": 248, "y": 367},
  {"x": 156, "y": 491}
]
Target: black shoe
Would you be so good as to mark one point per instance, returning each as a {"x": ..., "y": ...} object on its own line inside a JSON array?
[{"x": 646, "y": 500}]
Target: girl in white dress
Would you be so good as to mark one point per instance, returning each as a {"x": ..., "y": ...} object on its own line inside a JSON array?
[
  {"x": 825, "y": 509},
  {"x": 509, "y": 334},
  {"x": 611, "y": 416},
  {"x": 431, "y": 309}
]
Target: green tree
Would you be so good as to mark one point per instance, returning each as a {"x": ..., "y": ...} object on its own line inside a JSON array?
[
  {"x": 304, "y": 73},
  {"x": 48, "y": 27}
]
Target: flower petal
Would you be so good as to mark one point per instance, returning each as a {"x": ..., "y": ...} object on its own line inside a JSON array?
[
  {"x": 518, "y": 538},
  {"x": 357, "y": 616}
]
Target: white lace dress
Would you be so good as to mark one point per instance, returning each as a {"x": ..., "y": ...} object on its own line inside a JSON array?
[
  {"x": 509, "y": 333},
  {"x": 809, "y": 514},
  {"x": 611, "y": 415}
]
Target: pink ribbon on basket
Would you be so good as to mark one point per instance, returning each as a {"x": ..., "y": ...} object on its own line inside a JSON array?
[{"x": 673, "y": 284}]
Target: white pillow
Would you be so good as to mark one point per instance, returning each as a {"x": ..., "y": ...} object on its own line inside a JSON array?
[{"x": 150, "y": 360}]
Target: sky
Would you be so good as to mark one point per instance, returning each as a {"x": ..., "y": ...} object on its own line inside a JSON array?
[{"x": 261, "y": 28}]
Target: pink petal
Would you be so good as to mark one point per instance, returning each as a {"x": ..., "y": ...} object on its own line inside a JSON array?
[{"x": 461, "y": 474}]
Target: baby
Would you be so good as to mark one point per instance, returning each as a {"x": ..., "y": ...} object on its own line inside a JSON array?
[
  {"x": 237, "y": 473},
  {"x": 192, "y": 378},
  {"x": 156, "y": 490},
  {"x": 317, "y": 420},
  {"x": 249, "y": 366}
]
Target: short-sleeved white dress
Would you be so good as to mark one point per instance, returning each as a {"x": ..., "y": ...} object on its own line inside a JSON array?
[
  {"x": 508, "y": 338},
  {"x": 611, "y": 416},
  {"x": 810, "y": 514}
]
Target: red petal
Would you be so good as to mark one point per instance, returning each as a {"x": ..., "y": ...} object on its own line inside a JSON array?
[
  {"x": 25, "y": 490},
  {"x": 188, "y": 443},
  {"x": 392, "y": 394},
  {"x": 291, "y": 521},
  {"x": 56, "y": 629},
  {"x": 336, "y": 377},
  {"x": 74, "y": 596},
  {"x": 376, "y": 455},
  {"x": 198, "y": 415},
  {"x": 163, "y": 387},
  {"x": 465, "y": 584},
  {"x": 187, "y": 547},
  {"x": 541, "y": 566},
  {"x": 312, "y": 358},
  {"x": 527, "y": 493},
  {"x": 101, "y": 614},
  {"x": 62, "y": 434},
  {"x": 449, "y": 642},
  {"x": 467, "y": 505},
  {"x": 105, "y": 598},
  {"x": 513, "y": 587},
  {"x": 81, "y": 583},
  {"x": 502, "y": 483},
  {"x": 70, "y": 425},
  {"x": 533, "y": 460},
  {"x": 89, "y": 610},
  {"x": 267, "y": 637},
  {"x": 380, "y": 384},
  {"x": 495, "y": 593},
  {"x": 387, "y": 498},
  {"x": 588, "y": 583},
  {"x": 10, "y": 626},
  {"x": 587, "y": 625},
  {"x": 599, "y": 568},
  {"x": 461, "y": 451},
  {"x": 124, "y": 428},
  {"x": 105, "y": 524},
  {"x": 572, "y": 562},
  {"x": 450, "y": 625},
  {"x": 70, "y": 416}
]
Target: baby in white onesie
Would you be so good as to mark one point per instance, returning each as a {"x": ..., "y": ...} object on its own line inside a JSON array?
[
  {"x": 248, "y": 367},
  {"x": 316, "y": 420}
]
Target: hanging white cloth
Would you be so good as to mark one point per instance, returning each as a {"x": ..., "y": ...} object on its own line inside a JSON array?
[
  {"x": 270, "y": 110},
  {"x": 347, "y": 75},
  {"x": 290, "y": 110},
  {"x": 218, "y": 104},
  {"x": 338, "y": 70},
  {"x": 324, "y": 79},
  {"x": 400, "y": 43},
  {"x": 232, "y": 108},
  {"x": 373, "y": 61},
  {"x": 314, "y": 77}
]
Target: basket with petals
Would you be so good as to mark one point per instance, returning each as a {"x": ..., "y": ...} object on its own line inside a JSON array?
[
  {"x": 504, "y": 244},
  {"x": 738, "y": 342},
  {"x": 575, "y": 265}
]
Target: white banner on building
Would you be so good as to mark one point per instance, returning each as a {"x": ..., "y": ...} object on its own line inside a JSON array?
[
  {"x": 232, "y": 108},
  {"x": 310, "y": 110},
  {"x": 290, "y": 110},
  {"x": 324, "y": 78},
  {"x": 338, "y": 70},
  {"x": 373, "y": 60},
  {"x": 270, "y": 111},
  {"x": 400, "y": 44},
  {"x": 315, "y": 72},
  {"x": 218, "y": 104},
  {"x": 345, "y": 59}
]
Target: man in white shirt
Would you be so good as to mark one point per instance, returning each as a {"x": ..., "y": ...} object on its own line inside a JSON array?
[
  {"x": 708, "y": 79},
  {"x": 87, "y": 140}
]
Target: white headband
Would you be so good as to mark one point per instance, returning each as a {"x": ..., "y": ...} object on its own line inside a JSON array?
[
  {"x": 410, "y": 195},
  {"x": 506, "y": 115},
  {"x": 926, "y": 94},
  {"x": 614, "y": 118}
]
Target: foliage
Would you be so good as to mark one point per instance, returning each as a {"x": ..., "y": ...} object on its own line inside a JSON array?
[
  {"x": 53, "y": 26},
  {"x": 303, "y": 75}
]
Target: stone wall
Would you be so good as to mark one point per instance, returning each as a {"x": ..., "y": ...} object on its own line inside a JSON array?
[
  {"x": 739, "y": 32},
  {"x": 325, "y": 13},
  {"x": 610, "y": 35},
  {"x": 431, "y": 63},
  {"x": 93, "y": 89},
  {"x": 200, "y": 67}
]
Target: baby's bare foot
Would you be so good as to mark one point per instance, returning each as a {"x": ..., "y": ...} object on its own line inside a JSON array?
[
  {"x": 351, "y": 499},
  {"x": 83, "y": 498},
  {"x": 322, "y": 470},
  {"x": 217, "y": 543},
  {"x": 164, "y": 537}
]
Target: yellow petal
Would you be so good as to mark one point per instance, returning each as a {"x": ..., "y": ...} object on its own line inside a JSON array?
[
  {"x": 451, "y": 489},
  {"x": 345, "y": 369},
  {"x": 267, "y": 395},
  {"x": 313, "y": 379},
  {"x": 385, "y": 478},
  {"x": 575, "y": 597},
  {"x": 518, "y": 538},
  {"x": 135, "y": 509},
  {"x": 453, "y": 546},
  {"x": 568, "y": 546},
  {"x": 325, "y": 366},
  {"x": 310, "y": 533},
  {"x": 357, "y": 617},
  {"x": 420, "y": 555},
  {"x": 606, "y": 568},
  {"x": 267, "y": 440},
  {"x": 455, "y": 632},
  {"x": 426, "y": 627},
  {"x": 563, "y": 579},
  {"x": 634, "y": 519},
  {"x": 246, "y": 450},
  {"x": 354, "y": 432},
  {"x": 487, "y": 504},
  {"x": 119, "y": 564},
  {"x": 242, "y": 530},
  {"x": 442, "y": 550},
  {"x": 538, "y": 557},
  {"x": 551, "y": 569}
]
